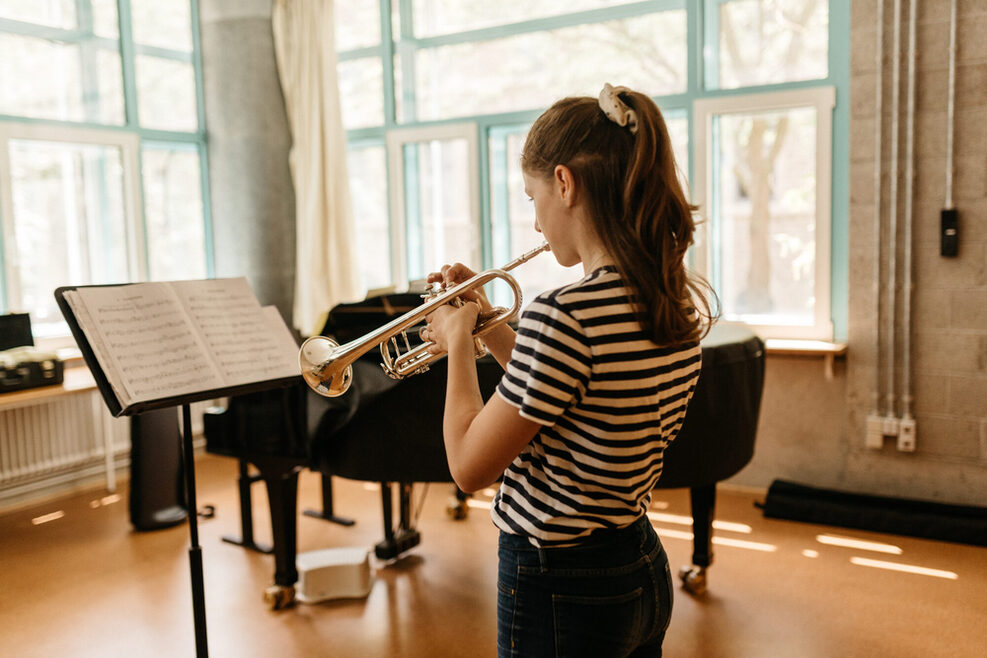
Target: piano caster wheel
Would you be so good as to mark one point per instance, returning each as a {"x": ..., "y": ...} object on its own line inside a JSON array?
[
  {"x": 693, "y": 580},
  {"x": 279, "y": 597},
  {"x": 457, "y": 509}
]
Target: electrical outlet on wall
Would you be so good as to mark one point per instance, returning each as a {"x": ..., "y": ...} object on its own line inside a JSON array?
[
  {"x": 889, "y": 426},
  {"x": 906, "y": 435},
  {"x": 874, "y": 438}
]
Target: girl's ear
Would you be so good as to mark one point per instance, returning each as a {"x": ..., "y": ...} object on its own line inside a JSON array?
[{"x": 565, "y": 184}]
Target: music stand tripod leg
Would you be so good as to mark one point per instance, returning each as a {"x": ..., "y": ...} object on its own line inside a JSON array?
[{"x": 194, "y": 551}]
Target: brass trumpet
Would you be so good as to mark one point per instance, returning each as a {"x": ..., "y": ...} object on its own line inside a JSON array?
[{"x": 327, "y": 366}]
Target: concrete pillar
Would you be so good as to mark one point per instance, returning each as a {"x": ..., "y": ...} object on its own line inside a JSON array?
[{"x": 253, "y": 202}]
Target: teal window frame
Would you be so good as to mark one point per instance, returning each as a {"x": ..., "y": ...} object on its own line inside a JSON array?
[
  {"x": 700, "y": 65},
  {"x": 128, "y": 50}
]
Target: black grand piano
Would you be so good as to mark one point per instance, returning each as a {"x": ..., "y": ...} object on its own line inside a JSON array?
[{"x": 390, "y": 432}]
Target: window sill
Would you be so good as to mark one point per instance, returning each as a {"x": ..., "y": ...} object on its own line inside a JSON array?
[{"x": 808, "y": 348}]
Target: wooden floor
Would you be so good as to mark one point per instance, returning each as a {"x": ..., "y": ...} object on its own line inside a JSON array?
[{"x": 86, "y": 584}]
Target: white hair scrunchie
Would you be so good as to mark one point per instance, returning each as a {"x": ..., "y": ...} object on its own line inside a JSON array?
[{"x": 615, "y": 109}]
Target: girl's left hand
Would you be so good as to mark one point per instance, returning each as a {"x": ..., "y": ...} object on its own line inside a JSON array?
[{"x": 449, "y": 324}]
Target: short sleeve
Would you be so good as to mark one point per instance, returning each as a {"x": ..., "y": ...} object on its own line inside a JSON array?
[{"x": 550, "y": 365}]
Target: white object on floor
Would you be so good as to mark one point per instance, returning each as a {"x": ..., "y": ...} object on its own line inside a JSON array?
[{"x": 333, "y": 573}]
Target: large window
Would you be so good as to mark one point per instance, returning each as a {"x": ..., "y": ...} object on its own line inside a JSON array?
[
  {"x": 754, "y": 92},
  {"x": 102, "y": 149},
  {"x": 766, "y": 250},
  {"x": 435, "y": 191}
]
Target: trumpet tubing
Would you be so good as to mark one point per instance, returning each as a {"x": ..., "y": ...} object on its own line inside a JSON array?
[{"x": 327, "y": 366}]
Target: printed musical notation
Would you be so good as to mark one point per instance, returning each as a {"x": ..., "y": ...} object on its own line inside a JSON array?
[
  {"x": 246, "y": 341},
  {"x": 166, "y": 339}
]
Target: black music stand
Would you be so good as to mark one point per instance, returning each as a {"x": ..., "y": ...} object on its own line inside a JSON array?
[{"x": 117, "y": 409}]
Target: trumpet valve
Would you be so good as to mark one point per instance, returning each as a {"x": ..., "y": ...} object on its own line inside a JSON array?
[
  {"x": 394, "y": 374},
  {"x": 433, "y": 290},
  {"x": 486, "y": 316}
]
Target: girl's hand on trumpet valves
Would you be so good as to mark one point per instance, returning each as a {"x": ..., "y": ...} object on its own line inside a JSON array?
[
  {"x": 450, "y": 275},
  {"x": 499, "y": 341},
  {"x": 450, "y": 326},
  {"x": 453, "y": 321}
]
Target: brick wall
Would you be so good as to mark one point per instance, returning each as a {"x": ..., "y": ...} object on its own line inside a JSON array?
[{"x": 949, "y": 297}]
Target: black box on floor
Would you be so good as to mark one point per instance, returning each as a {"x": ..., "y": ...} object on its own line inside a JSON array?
[{"x": 965, "y": 524}]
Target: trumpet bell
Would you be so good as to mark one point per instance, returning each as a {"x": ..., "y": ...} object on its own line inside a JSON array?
[{"x": 315, "y": 358}]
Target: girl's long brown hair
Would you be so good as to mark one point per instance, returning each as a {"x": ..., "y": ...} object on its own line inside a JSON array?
[{"x": 636, "y": 204}]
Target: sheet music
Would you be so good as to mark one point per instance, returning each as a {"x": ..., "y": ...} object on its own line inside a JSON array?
[
  {"x": 95, "y": 342},
  {"x": 281, "y": 360},
  {"x": 148, "y": 341},
  {"x": 246, "y": 342},
  {"x": 169, "y": 339}
]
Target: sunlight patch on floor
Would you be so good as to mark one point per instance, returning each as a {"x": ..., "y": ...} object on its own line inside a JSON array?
[
  {"x": 671, "y": 533},
  {"x": 678, "y": 519},
  {"x": 859, "y": 544},
  {"x": 46, "y": 518},
  {"x": 906, "y": 568}
]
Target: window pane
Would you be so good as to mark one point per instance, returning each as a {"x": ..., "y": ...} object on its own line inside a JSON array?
[
  {"x": 68, "y": 222},
  {"x": 772, "y": 41},
  {"x": 54, "y": 13},
  {"x": 437, "y": 205},
  {"x": 46, "y": 79},
  {"x": 107, "y": 106},
  {"x": 530, "y": 71},
  {"x": 357, "y": 23},
  {"x": 361, "y": 92},
  {"x": 106, "y": 23},
  {"x": 765, "y": 216},
  {"x": 514, "y": 218},
  {"x": 368, "y": 190},
  {"x": 162, "y": 23},
  {"x": 173, "y": 212},
  {"x": 166, "y": 94},
  {"x": 678, "y": 132},
  {"x": 433, "y": 17}
]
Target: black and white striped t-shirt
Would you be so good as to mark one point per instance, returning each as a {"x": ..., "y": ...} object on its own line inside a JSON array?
[{"x": 609, "y": 401}]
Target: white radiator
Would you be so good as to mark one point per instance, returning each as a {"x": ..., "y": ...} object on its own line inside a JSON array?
[
  {"x": 58, "y": 441},
  {"x": 48, "y": 445}
]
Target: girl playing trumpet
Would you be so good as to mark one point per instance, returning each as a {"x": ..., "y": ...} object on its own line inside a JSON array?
[{"x": 596, "y": 383}]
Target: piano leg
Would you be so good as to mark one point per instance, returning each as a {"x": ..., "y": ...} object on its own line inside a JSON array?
[
  {"x": 404, "y": 537},
  {"x": 458, "y": 506},
  {"x": 327, "y": 513},
  {"x": 703, "y": 500},
  {"x": 244, "y": 480},
  {"x": 281, "y": 477}
]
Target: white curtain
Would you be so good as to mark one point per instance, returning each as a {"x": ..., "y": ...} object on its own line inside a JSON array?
[{"x": 327, "y": 271}]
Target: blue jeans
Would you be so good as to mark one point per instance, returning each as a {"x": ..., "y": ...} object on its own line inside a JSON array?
[{"x": 610, "y": 596}]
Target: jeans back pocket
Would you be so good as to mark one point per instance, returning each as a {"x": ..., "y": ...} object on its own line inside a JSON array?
[{"x": 597, "y": 626}]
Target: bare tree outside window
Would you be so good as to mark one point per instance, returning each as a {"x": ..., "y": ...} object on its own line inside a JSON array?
[{"x": 789, "y": 49}]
